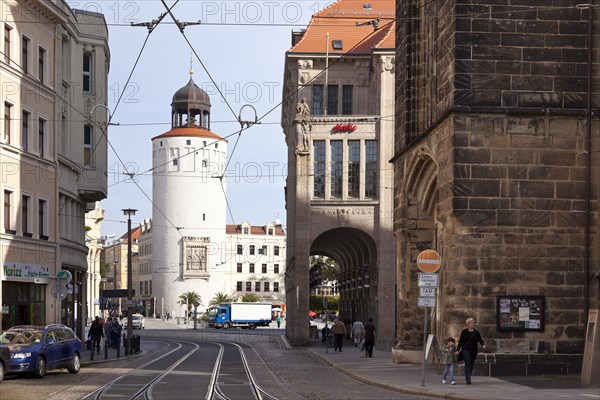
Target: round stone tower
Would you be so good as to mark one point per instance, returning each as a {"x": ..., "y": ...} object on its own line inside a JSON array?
[{"x": 188, "y": 215}]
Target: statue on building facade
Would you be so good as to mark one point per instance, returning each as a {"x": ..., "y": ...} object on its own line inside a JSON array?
[{"x": 302, "y": 122}]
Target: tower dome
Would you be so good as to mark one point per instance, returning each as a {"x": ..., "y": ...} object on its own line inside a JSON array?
[{"x": 189, "y": 103}]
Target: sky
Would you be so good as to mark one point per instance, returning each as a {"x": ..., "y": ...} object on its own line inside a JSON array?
[{"x": 240, "y": 47}]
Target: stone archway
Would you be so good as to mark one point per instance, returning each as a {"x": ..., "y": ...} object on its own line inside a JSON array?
[
  {"x": 356, "y": 253},
  {"x": 417, "y": 231}
]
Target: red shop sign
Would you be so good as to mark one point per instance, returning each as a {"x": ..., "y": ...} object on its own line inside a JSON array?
[{"x": 344, "y": 128}]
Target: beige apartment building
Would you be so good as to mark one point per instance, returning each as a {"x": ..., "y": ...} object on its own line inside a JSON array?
[{"x": 53, "y": 73}]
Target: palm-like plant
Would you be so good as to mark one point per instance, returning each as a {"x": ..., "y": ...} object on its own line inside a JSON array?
[
  {"x": 219, "y": 298},
  {"x": 250, "y": 297},
  {"x": 189, "y": 298}
]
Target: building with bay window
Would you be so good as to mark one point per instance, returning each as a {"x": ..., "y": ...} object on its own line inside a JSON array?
[{"x": 53, "y": 73}]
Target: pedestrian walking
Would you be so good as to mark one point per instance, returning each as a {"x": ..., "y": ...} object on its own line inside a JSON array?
[
  {"x": 107, "y": 331},
  {"x": 467, "y": 347},
  {"x": 96, "y": 333},
  {"x": 356, "y": 333},
  {"x": 115, "y": 333},
  {"x": 369, "y": 335},
  {"x": 339, "y": 332},
  {"x": 448, "y": 359},
  {"x": 278, "y": 320}
]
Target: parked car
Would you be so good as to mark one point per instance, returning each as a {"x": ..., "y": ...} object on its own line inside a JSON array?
[
  {"x": 37, "y": 349},
  {"x": 4, "y": 361},
  {"x": 137, "y": 321}
]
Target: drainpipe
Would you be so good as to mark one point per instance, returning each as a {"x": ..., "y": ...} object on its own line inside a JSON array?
[{"x": 588, "y": 148}]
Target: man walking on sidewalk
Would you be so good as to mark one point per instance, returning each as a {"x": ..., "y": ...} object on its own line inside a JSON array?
[
  {"x": 339, "y": 333},
  {"x": 369, "y": 338}
]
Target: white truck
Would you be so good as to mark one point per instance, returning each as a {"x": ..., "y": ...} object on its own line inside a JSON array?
[{"x": 244, "y": 315}]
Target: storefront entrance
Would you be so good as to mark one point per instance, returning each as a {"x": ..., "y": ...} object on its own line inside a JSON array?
[{"x": 23, "y": 304}]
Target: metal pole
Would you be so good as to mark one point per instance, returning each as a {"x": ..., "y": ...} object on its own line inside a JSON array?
[
  {"x": 326, "y": 91},
  {"x": 424, "y": 346},
  {"x": 129, "y": 212}
]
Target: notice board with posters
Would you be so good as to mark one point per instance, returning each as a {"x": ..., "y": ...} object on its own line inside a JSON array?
[{"x": 520, "y": 313}]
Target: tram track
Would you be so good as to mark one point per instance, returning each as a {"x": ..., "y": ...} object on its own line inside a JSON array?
[{"x": 208, "y": 369}]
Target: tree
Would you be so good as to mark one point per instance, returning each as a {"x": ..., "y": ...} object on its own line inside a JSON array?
[
  {"x": 188, "y": 298},
  {"x": 330, "y": 270},
  {"x": 219, "y": 298},
  {"x": 250, "y": 297}
]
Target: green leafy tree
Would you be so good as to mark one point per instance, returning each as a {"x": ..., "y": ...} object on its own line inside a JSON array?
[
  {"x": 188, "y": 298},
  {"x": 219, "y": 298},
  {"x": 330, "y": 270},
  {"x": 250, "y": 297}
]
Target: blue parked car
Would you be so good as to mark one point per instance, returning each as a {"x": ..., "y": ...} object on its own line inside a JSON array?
[
  {"x": 4, "y": 361},
  {"x": 37, "y": 349}
]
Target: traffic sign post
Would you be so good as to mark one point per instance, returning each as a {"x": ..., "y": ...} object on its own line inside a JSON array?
[{"x": 429, "y": 262}]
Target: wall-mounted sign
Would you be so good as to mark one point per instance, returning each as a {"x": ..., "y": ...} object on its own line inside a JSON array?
[
  {"x": 340, "y": 128},
  {"x": 520, "y": 313},
  {"x": 21, "y": 270}
]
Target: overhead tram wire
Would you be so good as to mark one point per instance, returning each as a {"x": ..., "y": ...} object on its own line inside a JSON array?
[{"x": 258, "y": 119}]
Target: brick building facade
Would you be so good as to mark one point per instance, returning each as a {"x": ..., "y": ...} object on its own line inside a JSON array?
[{"x": 496, "y": 167}]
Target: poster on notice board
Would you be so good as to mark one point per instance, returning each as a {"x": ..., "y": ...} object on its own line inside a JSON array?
[{"x": 520, "y": 313}]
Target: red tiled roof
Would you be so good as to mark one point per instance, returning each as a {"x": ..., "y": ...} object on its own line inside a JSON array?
[
  {"x": 254, "y": 230},
  {"x": 340, "y": 19},
  {"x": 189, "y": 132},
  {"x": 135, "y": 234}
]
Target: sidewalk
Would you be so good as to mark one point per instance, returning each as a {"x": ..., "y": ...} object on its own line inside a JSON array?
[{"x": 407, "y": 378}]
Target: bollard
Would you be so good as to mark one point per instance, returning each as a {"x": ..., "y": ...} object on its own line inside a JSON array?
[
  {"x": 92, "y": 345},
  {"x": 137, "y": 343}
]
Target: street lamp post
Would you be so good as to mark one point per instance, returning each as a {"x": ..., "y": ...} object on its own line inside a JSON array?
[{"x": 128, "y": 213}]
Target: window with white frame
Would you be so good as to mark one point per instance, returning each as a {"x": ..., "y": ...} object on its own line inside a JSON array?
[
  {"x": 25, "y": 50},
  {"x": 257, "y": 286},
  {"x": 8, "y": 212},
  {"x": 276, "y": 286},
  {"x": 25, "y": 117},
  {"x": 275, "y": 250},
  {"x": 251, "y": 250},
  {"x": 26, "y": 215},
  {"x": 239, "y": 267},
  {"x": 248, "y": 286},
  {"x": 42, "y": 54},
  {"x": 87, "y": 72},
  {"x": 266, "y": 287},
  {"x": 238, "y": 286},
  {"x": 264, "y": 268},
  {"x": 42, "y": 123},
  {"x": 43, "y": 219},
  {"x": 240, "y": 249},
  {"x": 88, "y": 137},
  {"x": 251, "y": 269},
  {"x": 276, "y": 268},
  {"x": 7, "y": 43},
  {"x": 7, "y": 121}
]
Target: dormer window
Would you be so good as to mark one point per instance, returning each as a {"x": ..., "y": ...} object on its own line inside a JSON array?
[{"x": 245, "y": 230}]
